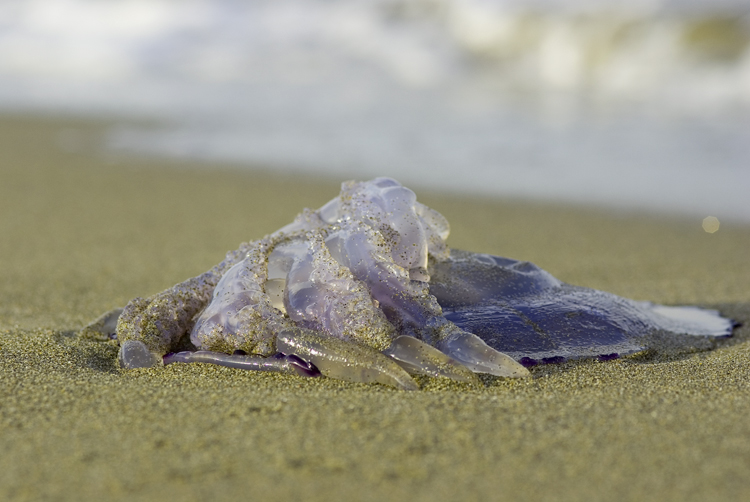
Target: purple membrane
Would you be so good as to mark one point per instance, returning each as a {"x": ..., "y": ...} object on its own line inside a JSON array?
[
  {"x": 528, "y": 362},
  {"x": 521, "y": 310},
  {"x": 608, "y": 357}
]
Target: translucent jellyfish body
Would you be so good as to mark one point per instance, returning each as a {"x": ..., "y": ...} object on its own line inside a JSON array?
[{"x": 365, "y": 289}]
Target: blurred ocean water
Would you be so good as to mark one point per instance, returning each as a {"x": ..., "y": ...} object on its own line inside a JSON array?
[{"x": 640, "y": 104}]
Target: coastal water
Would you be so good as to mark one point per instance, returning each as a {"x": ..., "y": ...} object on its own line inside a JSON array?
[{"x": 639, "y": 105}]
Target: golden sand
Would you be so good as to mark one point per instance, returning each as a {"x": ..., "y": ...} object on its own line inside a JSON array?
[{"x": 83, "y": 231}]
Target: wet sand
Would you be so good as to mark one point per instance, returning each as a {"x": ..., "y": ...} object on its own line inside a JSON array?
[{"x": 83, "y": 231}]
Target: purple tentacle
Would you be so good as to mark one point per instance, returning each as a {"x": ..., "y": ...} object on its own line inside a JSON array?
[
  {"x": 279, "y": 362},
  {"x": 252, "y": 363},
  {"x": 303, "y": 368}
]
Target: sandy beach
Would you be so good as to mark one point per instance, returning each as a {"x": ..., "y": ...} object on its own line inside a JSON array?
[{"x": 83, "y": 231}]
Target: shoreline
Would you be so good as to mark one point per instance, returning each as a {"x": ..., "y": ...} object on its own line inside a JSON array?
[{"x": 84, "y": 232}]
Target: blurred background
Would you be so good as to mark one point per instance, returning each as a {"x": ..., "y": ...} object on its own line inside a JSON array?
[{"x": 623, "y": 104}]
